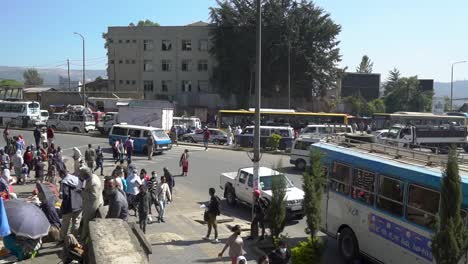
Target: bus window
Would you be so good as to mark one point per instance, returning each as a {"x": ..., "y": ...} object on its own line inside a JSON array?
[
  {"x": 423, "y": 205},
  {"x": 119, "y": 131},
  {"x": 363, "y": 186},
  {"x": 264, "y": 132},
  {"x": 390, "y": 196},
  {"x": 340, "y": 178},
  {"x": 134, "y": 133}
]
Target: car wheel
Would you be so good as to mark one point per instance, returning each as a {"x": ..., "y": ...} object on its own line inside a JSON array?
[
  {"x": 76, "y": 130},
  {"x": 300, "y": 164},
  {"x": 192, "y": 140},
  {"x": 348, "y": 245},
  {"x": 231, "y": 197},
  {"x": 215, "y": 142}
]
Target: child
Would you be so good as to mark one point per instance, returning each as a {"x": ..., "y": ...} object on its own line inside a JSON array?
[
  {"x": 24, "y": 172},
  {"x": 143, "y": 207}
]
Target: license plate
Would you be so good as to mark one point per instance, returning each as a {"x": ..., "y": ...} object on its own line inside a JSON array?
[
  {"x": 296, "y": 208},
  {"x": 164, "y": 147}
]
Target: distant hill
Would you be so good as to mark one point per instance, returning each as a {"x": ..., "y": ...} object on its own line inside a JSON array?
[
  {"x": 51, "y": 76},
  {"x": 460, "y": 89}
]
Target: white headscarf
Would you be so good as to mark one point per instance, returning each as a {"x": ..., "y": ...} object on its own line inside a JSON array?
[{"x": 76, "y": 153}]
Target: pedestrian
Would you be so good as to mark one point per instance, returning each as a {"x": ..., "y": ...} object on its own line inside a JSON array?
[
  {"x": 6, "y": 134},
  {"x": 99, "y": 160},
  {"x": 281, "y": 255},
  {"x": 59, "y": 154},
  {"x": 121, "y": 151},
  {"x": 235, "y": 244},
  {"x": 170, "y": 180},
  {"x": 184, "y": 163},
  {"x": 37, "y": 136},
  {"x": 43, "y": 138},
  {"x": 229, "y": 136},
  {"x": 144, "y": 177},
  {"x": 28, "y": 158},
  {"x": 150, "y": 146},
  {"x": 92, "y": 198},
  {"x": 5, "y": 158},
  {"x": 164, "y": 195},
  {"x": 39, "y": 168},
  {"x": 51, "y": 170},
  {"x": 129, "y": 149},
  {"x": 260, "y": 208},
  {"x": 17, "y": 161},
  {"x": 133, "y": 187},
  {"x": 115, "y": 153},
  {"x": 211, "y": 213},
  {"x": 70, "y": 193},
  {"x": 263, "y": 260},
  {"x": 6, "y": 175},
  {"x": 90, "y": 157},
  {"x": 152, "y": 189},
  {"x": 50, "y": 135},
  {"x": 118, "y": 206},
  {"x": 51, "y": 149},
  {"x": 118, "y": 175},
  {"x": 143, "y": 200},
  {"x": 24, "y": 172},
  {"x": 206, "y": 137},
  {"x": 173, "y": 135},
  {"x": 76, "y": 159},
  {"x": 47, "y": 206},
  {"x": 19, "y": 144}
]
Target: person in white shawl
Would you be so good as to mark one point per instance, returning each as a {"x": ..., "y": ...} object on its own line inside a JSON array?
[{"x": 77, "y": 159}]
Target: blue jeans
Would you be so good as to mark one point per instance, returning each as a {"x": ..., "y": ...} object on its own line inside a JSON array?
[{"x": 162, "y": 207}]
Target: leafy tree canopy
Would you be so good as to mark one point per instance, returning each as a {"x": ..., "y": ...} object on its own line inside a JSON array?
[
  {"x": 32, "y": 77},
  {"x": 8, "y": 83},
  {"x": 298, "y": 28},
  {"x": 405, "y": 95},
  {"x": 143, "y": 23},
  {"x": 365, "y": 66}
]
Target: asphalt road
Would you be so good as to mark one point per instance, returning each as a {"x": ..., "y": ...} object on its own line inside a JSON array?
[{"x": 204, "y": 170}]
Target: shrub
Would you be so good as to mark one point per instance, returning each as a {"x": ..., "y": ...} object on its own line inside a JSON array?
[
  {"x": 273, "y": 141},
  {"x": 276, "y": 212},
  {"x": 309, "y": 251}
]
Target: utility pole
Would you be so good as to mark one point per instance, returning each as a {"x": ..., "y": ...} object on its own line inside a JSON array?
[
  {"x": 68, "y": 67},
  {"x": 451, "y": 85},
  {"x": 289, "y": 74},
  {"x": 258, "y": 92},
  {"x": 83, "y": 85}
]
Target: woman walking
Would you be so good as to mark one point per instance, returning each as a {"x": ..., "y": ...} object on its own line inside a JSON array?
[
  {"x": 163, "y": 196},
  {"x": 235, "y": 244},
  {"x": 184, "y": 162}
]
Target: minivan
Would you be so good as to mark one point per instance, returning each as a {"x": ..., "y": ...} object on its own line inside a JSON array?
[
  {"x": 140, "y": 135},
  {"x": 71, "y": 122},
  {"x": 287, "y": 136},
  {"x": 300, "y": 151},
  {"x": 322, "y": 131}
]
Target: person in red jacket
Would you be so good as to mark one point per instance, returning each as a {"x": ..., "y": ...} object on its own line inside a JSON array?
[{"x": 50, "y": 135}]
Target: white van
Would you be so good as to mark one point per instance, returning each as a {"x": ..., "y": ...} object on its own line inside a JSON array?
[
  {"x": 140, "y": 134},
  {"x": 300, "y": 151},
  {"x": 71, "y": 122},
  {"x": 321, "y": 131}
]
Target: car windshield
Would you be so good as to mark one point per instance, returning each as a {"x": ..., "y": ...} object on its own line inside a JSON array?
[
  {"x": 44, "y": 114},
  {"x": 393, "y": 132},
  {"x": 266, "y": 182},
  {"x": 160, "y": 134}
]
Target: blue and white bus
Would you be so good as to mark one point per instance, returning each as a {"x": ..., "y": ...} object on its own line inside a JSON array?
[
  {"x": 140, "y": 135},
  {"x": 382, "y": 208}
]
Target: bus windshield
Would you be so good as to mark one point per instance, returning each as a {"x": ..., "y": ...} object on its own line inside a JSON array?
[
  {"x": 161, "y": 134},
  {"x": 266, "y": 182}
]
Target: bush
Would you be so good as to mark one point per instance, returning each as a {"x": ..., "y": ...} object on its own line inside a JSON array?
[
  {"x": 276, "y": 212},
  {"x": 273, "y": 141},
  {"x": 310, "y": 251}
]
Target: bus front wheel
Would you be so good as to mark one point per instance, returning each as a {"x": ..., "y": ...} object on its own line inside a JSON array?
[{"x": 348, "y": 245}]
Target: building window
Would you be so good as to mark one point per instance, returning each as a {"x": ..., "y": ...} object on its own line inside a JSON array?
[
  {"x": 133, "y": 61},
  {"x": 202, "y": 65},
  {"x": 120, "y": 81},
  {"x": 110, "y": 40},
  {"x": 128, "y": 82},
  {"x": 166, "y": 65},
  {"x": 133, "y": 82},
  {"x": 111, "y": 61},
  {"x": 186, "y": 86},
  {"x": 120, "y": 41},
  {"x": 166, "y": 45},
  {"x": 147, "y": 44},
  {"x": 186, "y": 45},
  {"x": 147, "y": 65},
  {"x": 148, "y": 86},
  {"x": 134, "y": 41},
  {"x": 165, "y": 85},
  {"x": 127, "y": 41},
  {"x": 127, "y": 61},
  {"x": 120, "y": 61},
  {"x": 186, "y": 65},
  {"x": 203, "y": 86},
  {"x": 203, "y": 45}
]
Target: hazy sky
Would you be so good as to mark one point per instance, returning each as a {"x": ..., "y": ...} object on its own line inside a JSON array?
[{"x": 419, "y": 37}]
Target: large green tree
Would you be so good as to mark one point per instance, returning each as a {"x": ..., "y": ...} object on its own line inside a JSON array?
[
  {"x": 365, "y": 66},
  {"x": 32, "y": 77},
  {"x": 143, "y": 23},
  {"x": 405, "y": 95},
  {"x": 450, "y": 239},
  {"x": 276, "y": 212},
  {"x": 298, "y": 28},
  {"x": 393, "y": 77},
  {"x": 9, "y": 83}
]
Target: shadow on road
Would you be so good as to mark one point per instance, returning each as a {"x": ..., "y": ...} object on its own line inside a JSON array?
[
  {"x": 213, "y": 260},
  {"x": 181, "y": 243}
]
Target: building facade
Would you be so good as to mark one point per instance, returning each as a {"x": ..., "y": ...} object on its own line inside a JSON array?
[{"x": 160, "y": 62}]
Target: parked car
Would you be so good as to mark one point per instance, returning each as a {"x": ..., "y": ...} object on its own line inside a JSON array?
[
  {"x": 322, "y": 131},
  {"x": 300, "y": 152},
  {"x": 216, "y": 136},
  {"x": 71, "y": 122},
  {"x": 381, "y": 135}
]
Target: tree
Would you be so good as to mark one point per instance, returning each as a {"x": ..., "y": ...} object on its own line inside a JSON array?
[
  {"x": 405, "y": 95},
  {"x": 365, "y": 66},
  {"x": 144, "y": 23},
  {"x": 393, "y": 77},
  {"x": 447, "y": 104},
  {"x": 357, "y": 105},
  {"x": 376, "y": 106},
  {"x": 305, "y": 28},
  {"x": 276, "y": 212},
  {"x": 32, "y": 77},
  {"x": 9, "y": 83},
  {"x": 450, "y": 239}
]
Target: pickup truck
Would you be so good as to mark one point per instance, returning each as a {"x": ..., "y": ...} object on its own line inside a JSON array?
[{"x": 239, "y": 186}]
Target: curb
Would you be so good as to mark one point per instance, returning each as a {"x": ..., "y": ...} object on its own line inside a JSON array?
[{"x": 233, "y": 148}]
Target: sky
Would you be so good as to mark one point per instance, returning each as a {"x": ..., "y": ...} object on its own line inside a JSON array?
[{"x": 419, "y": 37}]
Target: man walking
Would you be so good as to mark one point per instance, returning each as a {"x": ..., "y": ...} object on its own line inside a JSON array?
[
  {"x": 71, "y": 203},
  {"x": 99, "y": 160},
  {"x": 211, "y": 213},
  {"x": 92, "y": 198},
  {"x": 260, "y": 207},
  {"x": 118, "y": 206},
  {"x": 129, "y": 149},
  {"x": 37, "y": 136},
  {"x": 90, "y": 157},
  {"x": 150, "y": 146},
  {"x": 206, "y": 137}
]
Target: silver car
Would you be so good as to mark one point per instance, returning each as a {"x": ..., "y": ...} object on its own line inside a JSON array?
[{"x": 216, "y": 136}]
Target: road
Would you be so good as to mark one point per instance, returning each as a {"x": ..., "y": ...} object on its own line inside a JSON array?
[{"x": 181, "y": 232}]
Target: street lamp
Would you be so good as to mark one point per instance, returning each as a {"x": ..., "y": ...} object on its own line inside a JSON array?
[
  {"x": 83, "y": 85},
  {"x": 451, "y": 85}
]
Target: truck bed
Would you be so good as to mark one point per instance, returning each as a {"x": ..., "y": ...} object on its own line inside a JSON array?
[{"x": 227, "y": 177}]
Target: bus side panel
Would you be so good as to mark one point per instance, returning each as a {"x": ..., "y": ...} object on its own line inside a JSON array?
[{"x": 138, "y": 144}]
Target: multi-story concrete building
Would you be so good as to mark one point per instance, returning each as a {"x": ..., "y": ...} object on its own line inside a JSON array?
[{"x": 161, "y": 62}]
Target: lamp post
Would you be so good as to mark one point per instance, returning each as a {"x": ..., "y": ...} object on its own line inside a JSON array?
[
  {"x": 83, "y": 85},
  {"x": 451, "y": 85}
]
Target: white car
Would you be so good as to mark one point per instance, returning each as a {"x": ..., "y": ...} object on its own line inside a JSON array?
[
  {"x": 381, "y": 135},
  {"x": 300, "y": 151}
]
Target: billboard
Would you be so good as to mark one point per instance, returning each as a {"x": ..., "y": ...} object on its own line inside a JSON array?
[
  {"x": 426, "y": 85},
  {"x": 366, "y": 85}
]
